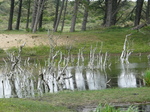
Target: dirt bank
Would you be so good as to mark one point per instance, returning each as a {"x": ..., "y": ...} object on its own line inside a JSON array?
[{"x": 15, "y": 40}]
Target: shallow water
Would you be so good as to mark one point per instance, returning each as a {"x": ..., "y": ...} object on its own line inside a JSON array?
[
  {"x": 139, "y": 108},
  {"x": 82, "y": 78}
]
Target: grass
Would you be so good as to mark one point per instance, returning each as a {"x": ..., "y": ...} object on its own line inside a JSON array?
[
  {"x": 106, "y": 108},
  {"x": 84, "y": 98},
  {"x": 112, "y": 39},
  {"x": 25, "y": 105},
  {"x": 147, "y": 77},
  {"x": 59, "y": 102}
]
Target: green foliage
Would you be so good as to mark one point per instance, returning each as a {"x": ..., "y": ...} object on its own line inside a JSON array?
[
  {"x": 1, "y": 50},
  {"x": 147, "y": 77},
  {"x": 42, "y": 29},
  {"x": 28, "y": 29},
  {"x": 106, "y": 108},
  {"x": 147, "y": 28},
  {"x": 48, "y": 18}
]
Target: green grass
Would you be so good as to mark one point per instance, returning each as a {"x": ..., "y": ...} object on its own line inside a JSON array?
[
  {"x": 85, "y": 98},
  {"x": 147, "y": 77},
  {"x": 24, "y": 105},
  {"x": 106, "y": 108},
  {"x": 112, "y": 39},
  {"x": 59, "y": 102}
]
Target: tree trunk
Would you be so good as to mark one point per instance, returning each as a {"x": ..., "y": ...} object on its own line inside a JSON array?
[
  {"x": 139, "y": 5},
  {"x": 40, "y": 6},
  {"x": 114, "y": 12},
  {"x": 34, "y": 13},
  {"x": 148, "y": 12},
  {"x": 59, "y": 16},
  {"x": 73, "y": 21},
  {"x": 85, "y": 18},
  {"x": 109, "y": 13},
  {"x": 41, "y": 20},
  {"x": 105, "y": 15},
  {"x": 56, "y": 12},
  {"x": 19, "y": 15},
  {"x": 28, "y": 14},
  {"x": 64, "y": 16},
  {"x": 11, "y": 15}
]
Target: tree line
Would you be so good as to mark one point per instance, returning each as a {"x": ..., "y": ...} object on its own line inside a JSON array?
[{"x": 111, "y": 12}]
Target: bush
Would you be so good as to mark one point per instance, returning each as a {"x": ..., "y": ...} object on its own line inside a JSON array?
[{"x": 147, "y": 77}]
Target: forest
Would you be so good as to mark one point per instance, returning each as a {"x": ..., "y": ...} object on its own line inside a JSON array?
[{"x": 77, "y": 15}]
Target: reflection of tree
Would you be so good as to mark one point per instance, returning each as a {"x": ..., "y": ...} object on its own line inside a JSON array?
[
  {"x": 126, "y": 78},
  {"x": 96, "y": 79},
  {"x": 79, "y": 78}
]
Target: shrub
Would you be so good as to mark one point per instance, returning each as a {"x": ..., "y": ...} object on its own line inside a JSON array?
[{"x": 147, "y": 77}]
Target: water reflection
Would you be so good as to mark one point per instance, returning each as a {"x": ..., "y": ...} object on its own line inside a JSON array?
[
  {"x": 5, "y": 90},
  {"x": 75, "y": 78},
  {"x": 126, "y": 78},
  {"x": 85, "y": 79},
  {"x": 144, "y": 108},
  {"x": 96, "y": 80}
]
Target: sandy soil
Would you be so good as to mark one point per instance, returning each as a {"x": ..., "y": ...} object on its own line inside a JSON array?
[{"x": 15, "y": 40}]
